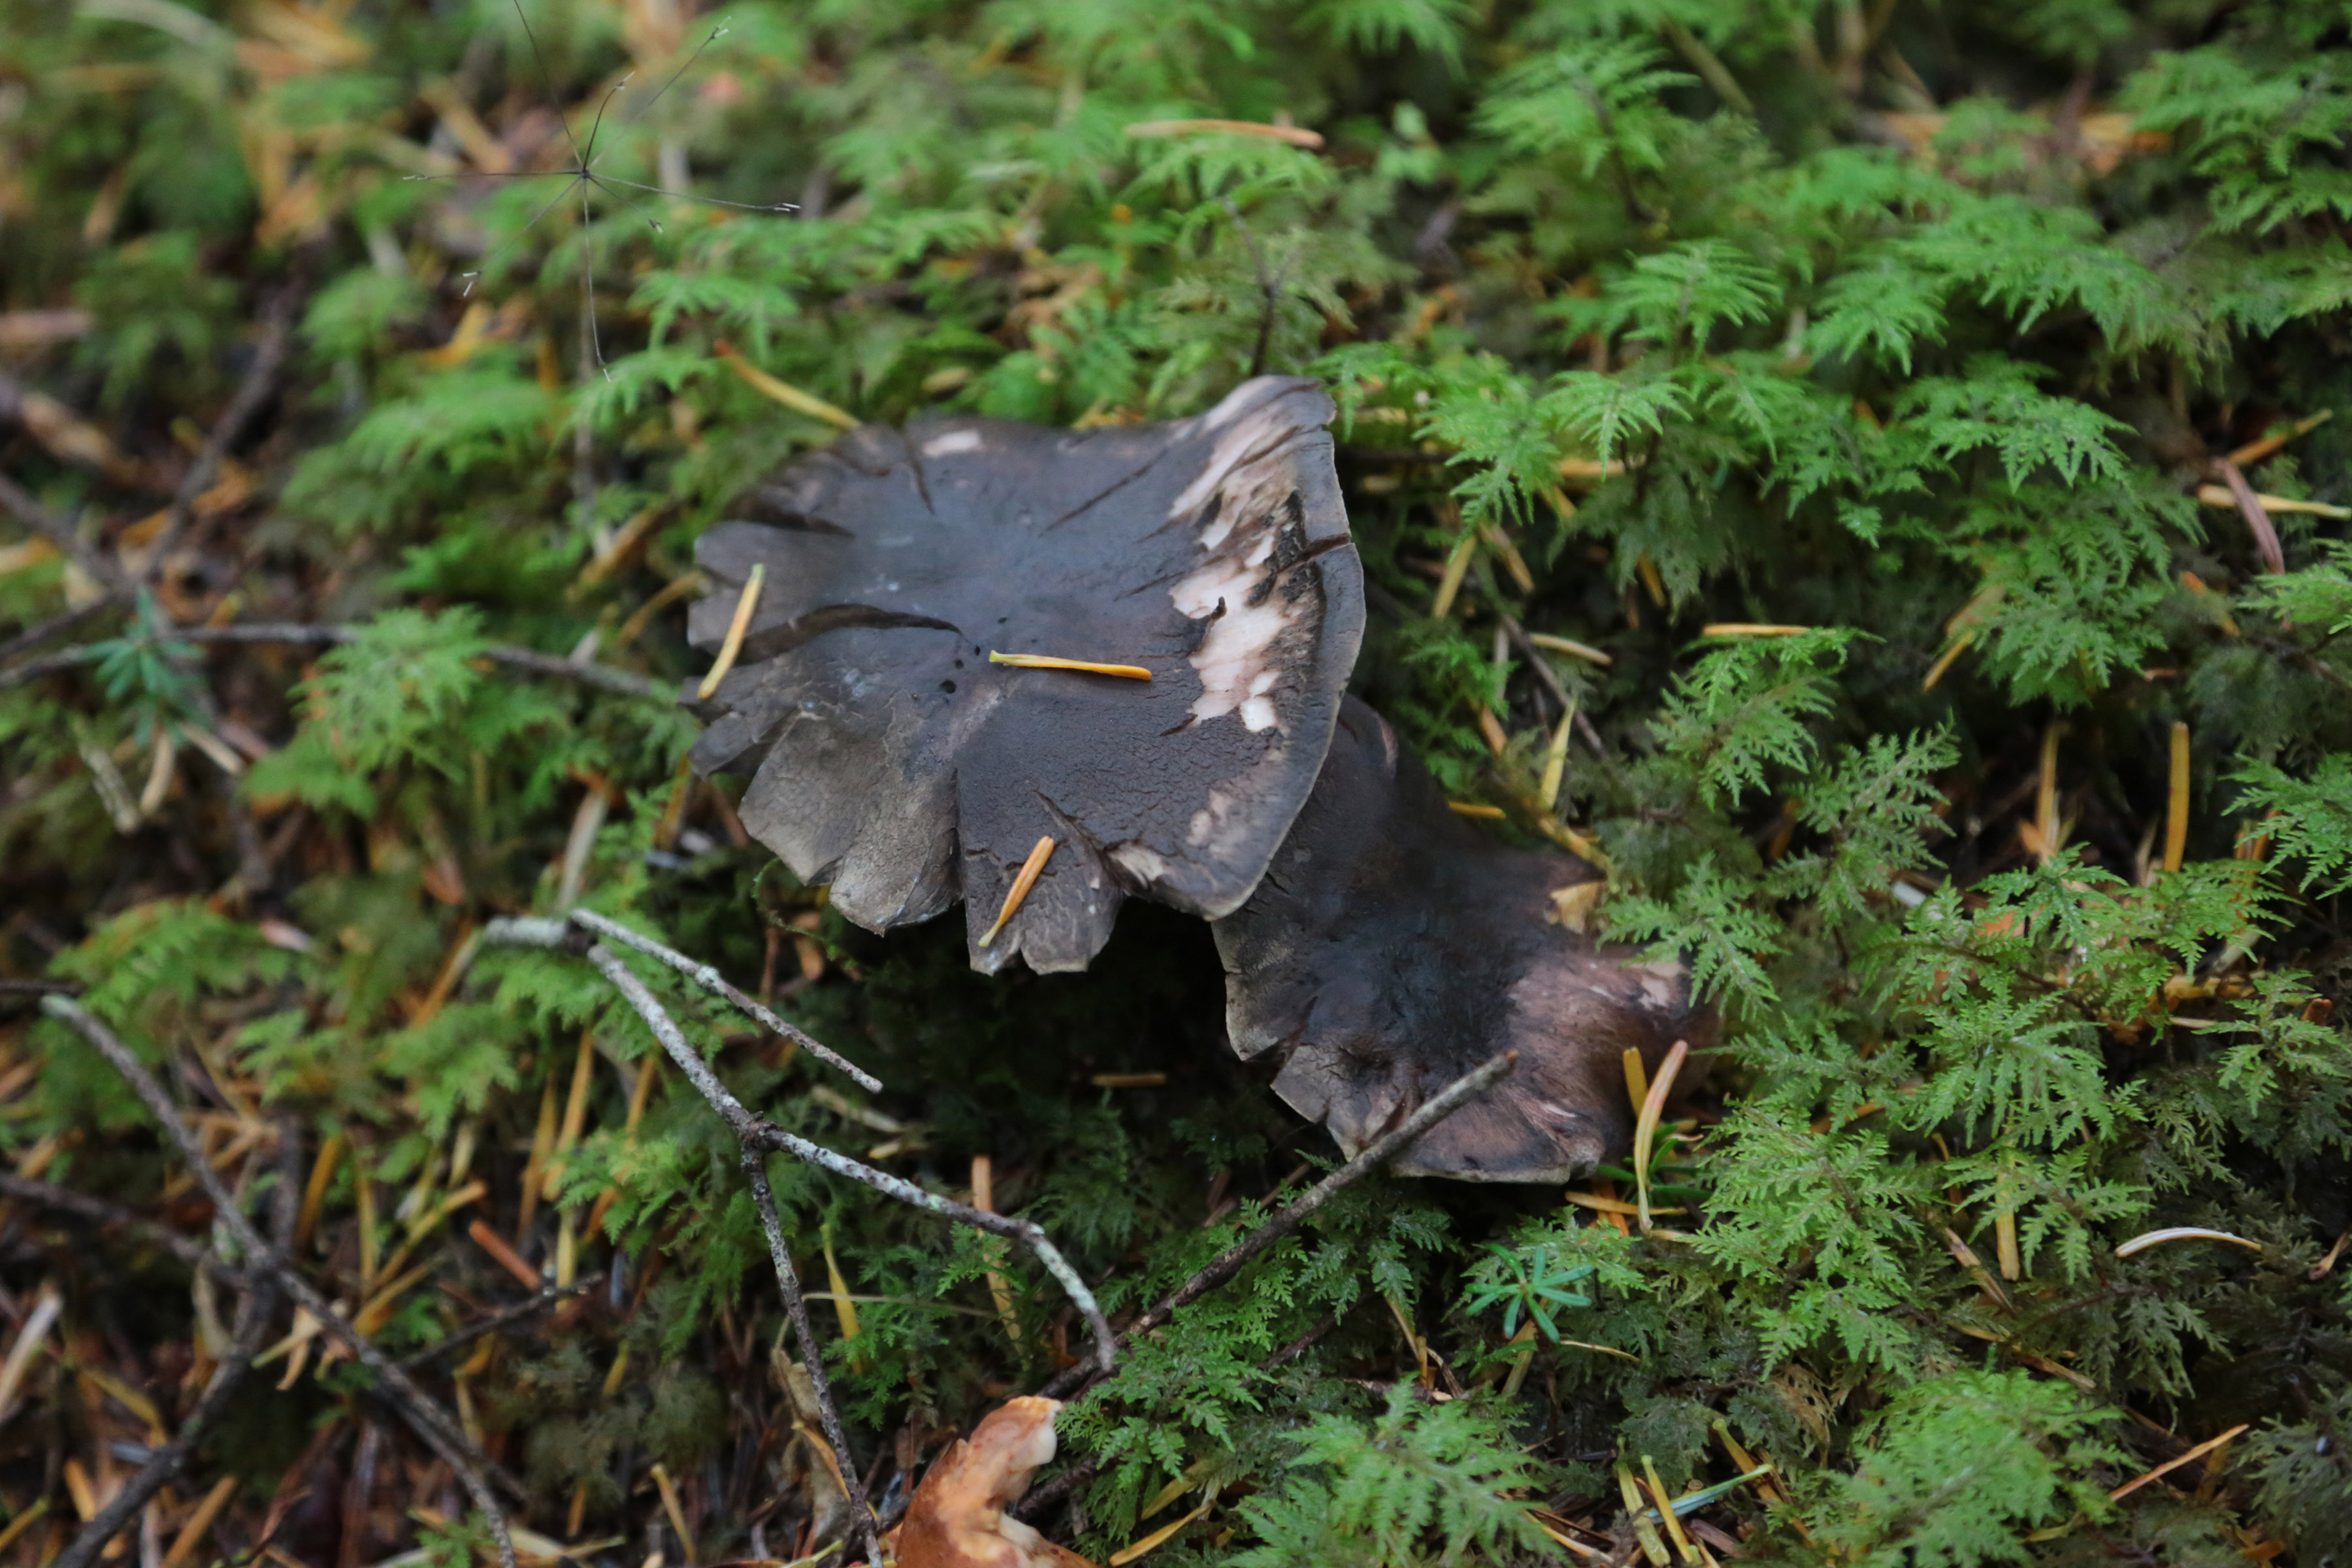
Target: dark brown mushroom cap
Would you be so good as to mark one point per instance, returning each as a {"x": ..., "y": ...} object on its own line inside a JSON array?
[
  {"x": 1392, "y": 948},
  {"x": 896, "y": 763}
]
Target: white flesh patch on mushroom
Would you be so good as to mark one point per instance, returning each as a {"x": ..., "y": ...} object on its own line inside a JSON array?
[
  {"x": 1236, "y": 659},
  {"x": 952, "y": 442}
]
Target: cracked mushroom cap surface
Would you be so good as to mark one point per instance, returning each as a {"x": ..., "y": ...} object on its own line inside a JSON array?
[
  {"x": 1392, "y": 948},
  {"x": 893, "y": 760}
]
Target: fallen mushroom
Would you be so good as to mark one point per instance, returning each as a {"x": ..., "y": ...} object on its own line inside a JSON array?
[
  {"x": 899, "y": 760},
  {"x": 1392, "y": 947},
  {"x": 957, "y": 1519},
  {"x": 1379, "y": 943}
]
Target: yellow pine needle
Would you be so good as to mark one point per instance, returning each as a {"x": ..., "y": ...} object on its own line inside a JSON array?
[
  {"x": 1645, "y": 1131},
  {"x": 1083, "y": 665},
  {"x": 534, "y": 1171},
  {"x": 790, "y": 396},
  {"x": 1513, "y": 561},
  {"x": 1749, "y": 629},
  {"x": 2045, "y": 798},
  {"x": 1490, "y": 730},
  {"x": 1637, "y": 1078},
  {"x": 1556, "y": 759},
  {"x": 2147, "y": 1239},
  {"x": 314, "y": 1195},
  {"x": 677, "y": 1514},
  {"x": 1194, "y": 1474},
  {"x": 1525, "y": 1358},
  {"x": 567, "y": 1248},
  {"x": 1959, "y": 646},
  {"x": 2255, "y": 451},
  {"x": 2176, "y": 811},
  {"x": 1651, "y": 580},
  {"x": 1667, "y": 1509},
  {"x": 1629, "y": 1491},
  {"x": 1572, "y": 648},
  {"x": 1161, "y": 1536},
  {"x": 2222, "y": 496},
  {"x": 1022, "y": 883},
  {"x": 613, "y": 1379},
  {"x": 191, "y": 1533},
  {"x": 1295, "y": 135},
  {"x": 1472, "y": 808},
  {"x": 368, "y": 1253},
  {"x": 844, "y": 1307},
  {"x": 744, "y": 607},
  {"x": 1457, "y": 566},
  {"x": 1599, "y": 1204},
  {"x": 1578, "y": 1547},
  {"x": 575, "y": 1114},
  {"x": 2170, "y": 1465},
  {"x": 983, "y": 1198},
  {"x": 23, "y": 1522},
  {"x": 2004, "y": 1236}
]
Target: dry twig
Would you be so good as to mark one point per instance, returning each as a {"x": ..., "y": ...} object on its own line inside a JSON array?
[
  {"x": 431, "y": 1423},
  {"x": 620, "y": 682},
  {"x": 260, "y": 382},
  {"x": 1228, "y": 1263},
  {"x": 758, "y": 1137},
  {"x": 18, "y": 504},
  {"x": 255, "y": 1307},
  {"x": 98, "y": 1212}
]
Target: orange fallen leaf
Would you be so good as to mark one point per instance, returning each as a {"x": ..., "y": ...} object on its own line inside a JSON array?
[{"x": 957, "y": 1518}]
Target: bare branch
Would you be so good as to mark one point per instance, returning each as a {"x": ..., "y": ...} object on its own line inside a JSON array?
[
  {"x": 603, "y": 677},
  {"x": 442, "y": 1434},
  {"x": 505, "y": 1318},
  {"x": 97, "y": 1211},
  {"x": 255, "y": 1307},
  {"x": 710, "y": 980},
  {"x": 21, "y": 505},
  {"x": 1228, "y": 1263},
  {"x": 259, "y": 383},
  {"x": 788, "y": 1283},
  {"x": 758, "y": 1133},
  {"x": 2257, "y": 516},
  {"x": 57, "y": 626}
]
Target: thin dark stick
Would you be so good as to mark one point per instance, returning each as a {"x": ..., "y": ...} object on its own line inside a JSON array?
[
  {"x": 1269, "y": 287},
  {"x": 21, "y": 505},
  {"x": 715, "y": 34},
  {"x": 2257, "y": 516},
  {"x": 602, "y": 677},
  {"x": 758, "y": 1133},
  {"x": 705, "y": 201},
  {"x": 1228, "y": 1263},
  {"x": 441, "y": 1434},
  {"x": 710, "y": 980},
  {"x": 255, "y": 1307},
  {"x": 588, "y": 155},
  {"x": 1549, "y": 678},
  {"x": 547, "y": 77},
  {"x": 260, "y": 382},
  {"x": 788, "y": 1284},
  {"x": 590, "y": 341},
  {"x": 506, "y": 1317},
  {"x": 100, "y": 1212},
  {"x": 57, "y": 626}
]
